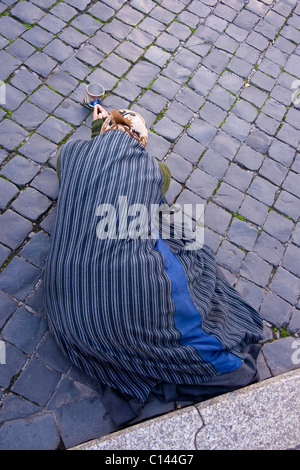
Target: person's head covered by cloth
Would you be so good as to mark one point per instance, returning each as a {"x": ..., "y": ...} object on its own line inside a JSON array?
[{"x": 123, "y": 120}]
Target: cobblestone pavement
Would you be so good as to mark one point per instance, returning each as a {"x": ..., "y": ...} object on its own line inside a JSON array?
[{"x": 217, "y": 83}]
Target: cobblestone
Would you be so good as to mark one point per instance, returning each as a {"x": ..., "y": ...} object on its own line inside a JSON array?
[{"x": 215, "y": 82}]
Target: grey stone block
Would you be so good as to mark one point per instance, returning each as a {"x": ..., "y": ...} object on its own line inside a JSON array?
[
  {"x": 225, "y": 145},
  {"x": 267, "y": 124},
  {"x": 288, "y": 204},
  {"x": 86, "y": 24},
  {"x": 289, "y": 135},
  {"x": 179, "y": 167},
  {"x": 25, "y": 81},
  {"x": 231, "y": 82},
  {"x": 292, "y": 183},
  {"x": 245, "y": 110},
  {"x": 203, "y": 81},
  {"x": 29, "y": 382},
  {"x": 240, "y": 67},
  {"x": 37, "y": 37},
  {"x": 54, "y": 129},
  {"x": 63, "y": 11},
  {"x": 226, "y": 43},
  {"x": 259, "y": 141},
  {"x": 75, "y": 68},
  {"x": 262, "y": 190},
  {"x": 216, "y": 61},
  {"x": 117, "y": 29},
  {"x": 50, "y": 354},
  {"x": 202, "y": 183},
  {"x": 275, "y": 310},
  {"x": 90, "y": 55},
  {"x": 129, "y": 51},
  {"x": 278, "y": 226},
  {"x": 202, "y": 131},
  {"x": 19, "y": 278},
  {"x": 31, "y": 204},
  {"x": 14, "y": 229},
  {"x": 249, "y": 158},
  {"x": 221, "y": 97},
  {"x": 157, "y": 145},
  {"x": 72, "y": 37},
  {"x": 8, "y": 65},
  {"x": 14, "y": 97},
  {"x": 230, "y": 257},
  {"x": 17, "y": 408},
  {"x": 52, "y": 23},
  {"x": 187, "y": 59},
  {"x": 190, "y": 99},
  {"x": 11, "y": 135},
  {"x": 11, "y": 28},
  {"x": 35, "y": 251},
  {"x": 7, "y": 192},
  {"x": 256, "y": 269},
  {"x": 216, "y": 218},
  {"x": 228, "y": 197},
  {"x": 179, "y": 113},
  {"x": 107, "y": 80},
  {"x": 270, "y": 68},
  {"x": 24, "y": 330},
  {"x": 27, "y": 12},
  {"x": 15, "y": 360},
  {"x": 286, "y": 285},
  {"x": 4, "y": 254},
  {"x": 212, "y": 114},
  {"x": 37, "y": 148},
  {"x": 41, "y": 63},
  {"x": 281, "y": 152},
  {"x": 83, "y": 419},
  {"x": 269, "y": 248},
  {"x": 116, "y": 65},
  {"x": 250, "y": 292},
  {"x": 103, "y": 42},
  {"x": 189, "y": 148},
  {"x": 29, "y": 116},
  {"x": 237, "y": 127},
  {"x": 46, "y": 99},
  {"x": 19, "y": 170},
  {"x": 176, "y": 72},
  {"x": 253, "y": 210},
  {"x": 238, "y": 177},
  {"x": 291, "y": 259},
  {"x": 102, "y": 12},
  {"x": 167, "y": 129},
  {"x": 294, "y": 325},
  {"x": 143, "y": 73},
  {"x": 20, "y": 49},
  {"x": 142, "y": 38},
  {"x": 8, "y": 306},
  {"x": 166, "y": 87},
  {"x": 273, "y": 171},
  {"x": 296, "y": 235},
  {"x": 278, "y": 355},
  {"x": 242, "y": 234},
  {"x": 72, "y": 112},
  {"x": 214, "y": 164}
]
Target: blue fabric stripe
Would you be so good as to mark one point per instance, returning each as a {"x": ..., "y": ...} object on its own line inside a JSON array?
[{"x": 188, "y": 319}]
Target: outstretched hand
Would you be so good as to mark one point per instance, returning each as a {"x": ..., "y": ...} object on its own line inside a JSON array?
[{"x": 99, "y": 112}]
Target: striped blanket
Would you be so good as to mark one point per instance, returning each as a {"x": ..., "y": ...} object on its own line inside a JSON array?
[{"x": 135, "y": 312}]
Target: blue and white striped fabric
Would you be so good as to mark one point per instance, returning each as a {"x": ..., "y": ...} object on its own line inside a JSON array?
[{"x": 115, "y": 308}]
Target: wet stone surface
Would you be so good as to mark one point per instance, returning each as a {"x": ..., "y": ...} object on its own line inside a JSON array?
[{"x": 217, "y": 84}]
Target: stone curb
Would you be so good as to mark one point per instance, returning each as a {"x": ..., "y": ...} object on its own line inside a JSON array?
[{"x": 263, "y": 416}]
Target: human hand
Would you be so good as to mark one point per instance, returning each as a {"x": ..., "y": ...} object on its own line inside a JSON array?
[{"x": 99, "y": 112}]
